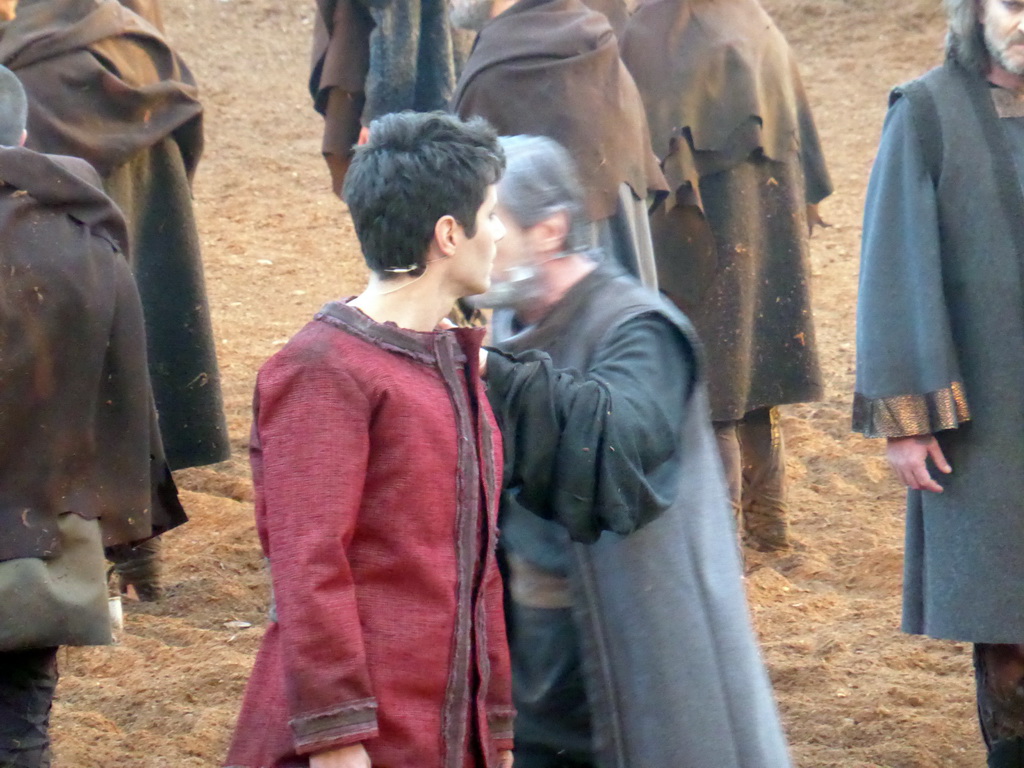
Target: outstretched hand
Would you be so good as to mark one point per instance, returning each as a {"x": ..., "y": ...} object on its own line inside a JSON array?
[{"x": 909, "y": 459}]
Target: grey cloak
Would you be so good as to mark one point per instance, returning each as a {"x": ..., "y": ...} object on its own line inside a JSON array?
[
  {"x": 133, "y": 114},
  {"x": 940, "y": 344},
  {"x": 673, "y": 673},
  {"x": 731, "y": 124}
]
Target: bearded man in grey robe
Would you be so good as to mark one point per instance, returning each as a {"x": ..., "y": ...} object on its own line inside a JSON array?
[{"x": 940, "y": 348}]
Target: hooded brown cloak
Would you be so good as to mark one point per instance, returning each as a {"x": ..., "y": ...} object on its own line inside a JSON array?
[
  {"x": 719, "y": 74},
  {"x": 552, "y": 68},
  {"x": 77, "y": 427},
  {"x": 104, "y": 85},
  {"x": 731, "y": 123}
]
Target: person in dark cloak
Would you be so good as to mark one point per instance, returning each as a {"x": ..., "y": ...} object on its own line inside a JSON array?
[
  {"x": 81, "y": 463},
  {"x": 731, "y": 124},
  {"x": 940, "y": 348},
  {"x": 372, "y": 57},
  {"x": 134, "y": 115},
  {"x": 614, "y": 515},
  {"x": 552, "y": 68}
]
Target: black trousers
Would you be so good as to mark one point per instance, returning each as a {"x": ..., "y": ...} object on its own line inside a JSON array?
[{"x": 28, "y": 680}]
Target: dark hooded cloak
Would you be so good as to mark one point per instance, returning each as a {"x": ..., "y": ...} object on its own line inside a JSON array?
[{"x": 77, "y": 428}]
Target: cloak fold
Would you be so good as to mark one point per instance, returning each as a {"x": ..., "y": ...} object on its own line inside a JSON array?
[
  {"x": 940, "y": 344},
  {"x": 731, "y": 124},
  {"x": 672, "y": 670}
]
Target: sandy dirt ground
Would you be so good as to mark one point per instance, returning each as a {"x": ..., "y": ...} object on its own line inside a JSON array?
[{"x": 854, "y": 692}]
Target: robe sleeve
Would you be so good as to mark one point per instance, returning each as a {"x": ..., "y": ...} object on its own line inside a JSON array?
[
  {"x": 311, "y": 456},
  {"x": 599, "y": 450},
  {"x": 908, "y": 375}
]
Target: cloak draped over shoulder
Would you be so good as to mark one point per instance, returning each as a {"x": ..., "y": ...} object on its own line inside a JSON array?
[
  {"x": 104, "y": 85},
  {"x": 77, "y": 427},
  {"x": 719, "y": 81}
]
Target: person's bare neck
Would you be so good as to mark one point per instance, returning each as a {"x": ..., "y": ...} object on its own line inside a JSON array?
[
  {"x": 997, "y": 75},
  {"x": 560, "y": 275},
  {"x": 413, "y": 303}
]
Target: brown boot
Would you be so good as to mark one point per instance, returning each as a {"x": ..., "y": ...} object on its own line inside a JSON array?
[{"x": 765, "y": 527}]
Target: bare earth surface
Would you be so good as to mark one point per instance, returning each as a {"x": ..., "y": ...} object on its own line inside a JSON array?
[{"x": 854, "y": 692}]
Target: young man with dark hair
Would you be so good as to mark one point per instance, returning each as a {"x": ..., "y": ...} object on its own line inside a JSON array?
[{"x": 377, "y": 468}]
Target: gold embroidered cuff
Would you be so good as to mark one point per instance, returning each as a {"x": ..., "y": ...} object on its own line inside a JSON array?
[{"x": 906, "y": 415}]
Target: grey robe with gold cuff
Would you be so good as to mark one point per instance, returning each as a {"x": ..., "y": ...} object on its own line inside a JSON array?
[{"x": 940, "y": 343}]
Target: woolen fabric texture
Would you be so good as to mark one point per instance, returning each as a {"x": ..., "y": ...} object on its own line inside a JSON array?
[
  {"x": 104, "y": 85},
  {"x": 387, "y": 56},
  {"x": 77, "y": 428},
  {"x": 941, "y": 302},
  {"x": 376, "y": 464}
]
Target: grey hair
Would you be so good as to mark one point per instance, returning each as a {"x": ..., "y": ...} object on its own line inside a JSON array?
[
  {"x": 541, "y": 180},
  {"x": 13, "y": 108},
  {"x": 965, "y": 40}
]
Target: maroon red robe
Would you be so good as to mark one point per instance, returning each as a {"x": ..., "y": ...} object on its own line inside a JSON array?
[{"x": 376, "y": 462}]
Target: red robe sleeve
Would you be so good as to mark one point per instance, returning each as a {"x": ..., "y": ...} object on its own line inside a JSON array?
[{"x": 310, "y": 457}]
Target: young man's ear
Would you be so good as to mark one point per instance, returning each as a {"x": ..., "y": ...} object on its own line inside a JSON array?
[{"x": 446, "y": 232}]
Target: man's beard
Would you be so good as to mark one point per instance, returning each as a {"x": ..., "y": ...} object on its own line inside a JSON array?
[
  {"x": 997, "y": 50},
  {"x": 471, "y": 14}
]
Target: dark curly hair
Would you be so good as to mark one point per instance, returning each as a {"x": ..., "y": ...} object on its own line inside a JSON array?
[{"x": 416, "y": 168}]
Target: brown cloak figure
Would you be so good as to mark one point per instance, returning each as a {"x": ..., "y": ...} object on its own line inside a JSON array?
[
  {"x": 135, "y": 117},
  {"x": 730, "y": 121},
  {"x": 552, "y": 68}
]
